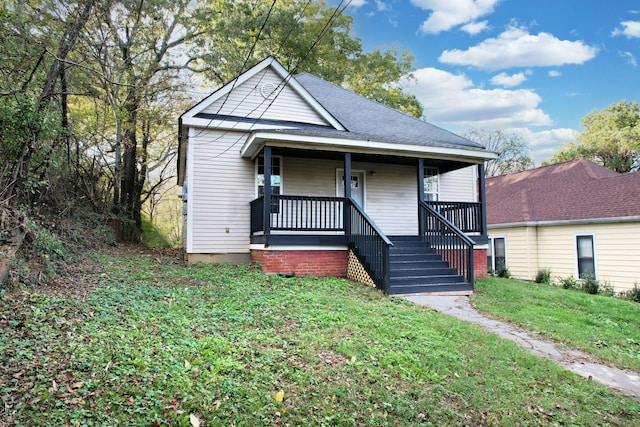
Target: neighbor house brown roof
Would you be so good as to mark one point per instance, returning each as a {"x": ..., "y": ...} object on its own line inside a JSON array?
[{"x": 573, "y": 190}]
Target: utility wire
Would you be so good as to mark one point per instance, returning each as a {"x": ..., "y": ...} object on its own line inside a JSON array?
[{"x": 337, "y": 11}]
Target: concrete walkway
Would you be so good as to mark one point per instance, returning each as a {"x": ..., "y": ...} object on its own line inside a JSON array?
[{"x": 626, "y": 382}]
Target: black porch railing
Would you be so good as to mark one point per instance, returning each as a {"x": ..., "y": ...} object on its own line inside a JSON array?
[
  {"x": 369, "y": 245},
  {"x": 298, "y": 213},
  {"x": 467, "y": 216},
  {"x": 257, "y": 215},
  {"x": 306, "y": 213},
  {"x": 447, "y": 239},
  {"x": 365, "y": 239}
]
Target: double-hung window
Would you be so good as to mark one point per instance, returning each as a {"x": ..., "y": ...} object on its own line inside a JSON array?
[
  {"x": 431, "y": 184},
  {"x": 276, "y": 179},
  {"x": 276, "y": 175},
  {"x": 497, "y": 254},
  {"x": 585, "y": 251}
]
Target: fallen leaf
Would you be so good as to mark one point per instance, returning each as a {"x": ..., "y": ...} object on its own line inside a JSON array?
[
  {"x": 68, "y": 376},
  {"x": 279, "y": 396},
  {"x": 195, "y": 421},
  {"x": 77, "y": 385},
  {"x": 187, "y": 364}
]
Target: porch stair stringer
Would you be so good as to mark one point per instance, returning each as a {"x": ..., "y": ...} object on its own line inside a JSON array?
[{"x": 416, "y": 268}]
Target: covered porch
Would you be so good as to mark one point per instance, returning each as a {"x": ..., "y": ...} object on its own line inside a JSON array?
[{"x": 393, "y": 230}]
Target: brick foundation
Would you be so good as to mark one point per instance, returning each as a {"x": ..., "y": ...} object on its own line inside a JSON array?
[
  {"x": 479, "y": 263},
  {"x": 322, "y": 263}
]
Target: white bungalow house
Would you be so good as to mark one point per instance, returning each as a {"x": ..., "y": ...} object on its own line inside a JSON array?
[{"x": 409, "y": 219}]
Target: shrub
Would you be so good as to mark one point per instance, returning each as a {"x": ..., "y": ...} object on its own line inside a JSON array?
[
  {"x": 47, "y": 244},
  {"x": 569, "y": 283},
  {"x": 543, "y": 276},
  {"x": 632, "y": 294},
  {"x": 503, "y": 272},
  {"x": 606, "y": 289},
  {"x": 590, "y": 285}
]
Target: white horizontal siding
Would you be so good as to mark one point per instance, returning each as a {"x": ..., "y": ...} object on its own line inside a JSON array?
[
  {"x": 459, "y": 185},
  {"x": 392, "y": 197},
  {"x": 390, "y": 193},
  {"x": 221, "y": 185},
  {"x": 246, "y": 100}
]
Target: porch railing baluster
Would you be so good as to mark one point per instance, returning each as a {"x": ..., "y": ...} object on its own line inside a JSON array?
[
  {"x": 448, "y": 240},
  {"x": 369, "y": 245},
  {"x": 467, "y": 216}
]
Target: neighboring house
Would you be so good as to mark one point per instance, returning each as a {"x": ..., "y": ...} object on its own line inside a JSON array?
[
  {"x": 576, "y": 218},
  {"x": 299, "y": 216}
]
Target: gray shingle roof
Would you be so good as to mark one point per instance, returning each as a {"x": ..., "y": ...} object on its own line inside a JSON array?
[{"x": 366, "y": 119}]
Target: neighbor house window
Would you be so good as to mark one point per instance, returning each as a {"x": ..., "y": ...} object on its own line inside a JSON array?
[
  {"x": 276, "y": 175},
  {"x": 586, "y": 257},
  {"x": 497, "y": 254},
  {"x": 431, "y": 184}
]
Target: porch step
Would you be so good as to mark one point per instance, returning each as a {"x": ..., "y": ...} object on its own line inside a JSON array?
[{"x": 417, "y": 268}]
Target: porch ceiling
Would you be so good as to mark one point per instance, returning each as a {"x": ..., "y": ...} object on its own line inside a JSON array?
[
  {"x": 446, "y": 157},
  {"x": 442, "y": 164}
]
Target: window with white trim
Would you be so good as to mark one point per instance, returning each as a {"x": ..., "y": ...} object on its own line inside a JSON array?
[
  {"x": 431, "y": 184},
  {"x": 586, "y": 259},
  {"x": 497, "y": 254},
  {"x": 276, "y": 175}
]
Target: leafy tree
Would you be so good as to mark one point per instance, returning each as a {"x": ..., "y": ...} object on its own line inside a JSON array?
[
  {"x": 611, "y": 137},
  {"x": 93, "y": 88},
  {"x": 305, "y": 36},
  {"x": 513, "y": 151},
  {"x": 37, "y": 38}
]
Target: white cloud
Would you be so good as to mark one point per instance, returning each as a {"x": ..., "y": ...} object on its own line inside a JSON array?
[
  {"x": 631, "y": 59},
  {"x": 503, "y": 79},
  {"x": 630, "y": 29},
  {"x": 474, "y": 28},
  {"x": 453, "y": 99},
  {"x": 447, "y": 14},
  {"x": 357, "y": 3},
  {"x": 544, "y": 143},
  {"x": 382, "y": 6},
  {"x": 517, "y": 48},
  {"x": 554, "y": 73}
]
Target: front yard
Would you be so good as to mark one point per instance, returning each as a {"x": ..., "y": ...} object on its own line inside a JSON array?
[
  {"x": 153, "y": 342},
  {"x": 605, "y": 327}
]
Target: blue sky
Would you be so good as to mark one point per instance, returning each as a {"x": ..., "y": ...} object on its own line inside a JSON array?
[{"x": 531, "y": 67}]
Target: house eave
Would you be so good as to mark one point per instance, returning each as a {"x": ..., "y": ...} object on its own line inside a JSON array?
[
  {"x": 259, "y": 139},
  {"x": 613, "y": 220}
]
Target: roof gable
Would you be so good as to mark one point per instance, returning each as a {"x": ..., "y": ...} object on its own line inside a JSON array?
[
  {"x": 573, "y": 190},
  {"x": 265, "y": 93}
]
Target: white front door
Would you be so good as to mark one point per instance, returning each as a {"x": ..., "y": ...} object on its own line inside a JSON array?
[{"x": 357, "y": 186}]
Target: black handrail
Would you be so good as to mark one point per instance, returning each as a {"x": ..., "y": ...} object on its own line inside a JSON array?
[
  {"x": 448, "y": 240},
  {"x": 257, "y": 215},
  {"x": 369, "y": 245},
  {"x": 467, "y": 216}
]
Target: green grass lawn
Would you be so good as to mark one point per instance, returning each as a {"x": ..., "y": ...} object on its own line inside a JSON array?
[
  {"x": 603, "y": 326},
  {"x": 158, "y": 343}
]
